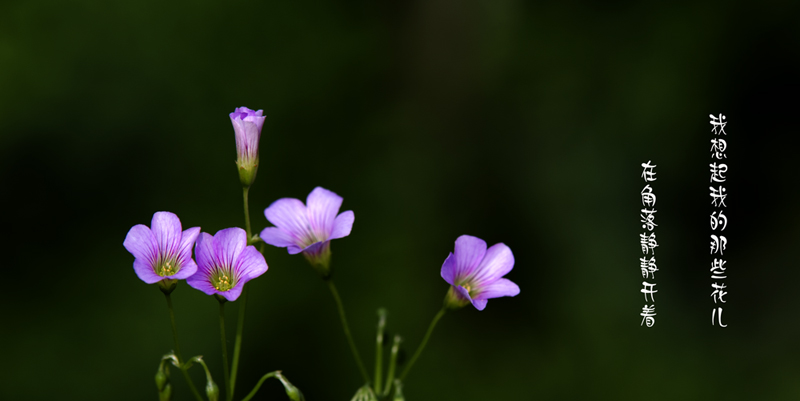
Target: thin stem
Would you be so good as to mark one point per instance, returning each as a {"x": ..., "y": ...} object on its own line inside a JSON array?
[
  {"x": 224, "y": 350},
  {"x": 258, "y": 385},
  {"x": 178, "y": 350},
  {"x": 424, "y": 342},
  {"x": 392, "y": 364},
  {"x": 379, "y": 350},
  {"x": 346, "y": 328},
  {"x": 245, "y": 192},
  {"x": 237, "y": 347}
]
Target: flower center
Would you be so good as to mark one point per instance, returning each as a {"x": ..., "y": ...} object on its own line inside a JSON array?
[
  {"x": 468, "y": 288},
  {"x": 167, "y": 268},
  {"x": 222, "y": 280}
]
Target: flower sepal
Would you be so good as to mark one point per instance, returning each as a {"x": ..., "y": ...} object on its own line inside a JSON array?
[
  {"x": 167, "y": 285},
  {"x": 220, "y": 298},
  {"x": 453, "y": 300},
  {"x": 320, "y": 259},
  {"x": 247, "y": 172}
]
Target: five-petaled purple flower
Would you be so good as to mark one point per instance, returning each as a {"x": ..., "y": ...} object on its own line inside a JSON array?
[
  {"x": 226, "y": 263},
  {"x": 247, "y": 125},
  {"x": 475, "y": 273},
  {"x": 308, "y": 228},
  {"x": 162, "y": 251}
]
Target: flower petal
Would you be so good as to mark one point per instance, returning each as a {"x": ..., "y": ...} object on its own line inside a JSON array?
[
  {"x": 469, "y": 252},
  {"x": 463, "y": 292},
  {"x": 343, "y": 225},
  {"x": 448, "y": 271},
  {"x": 289, "y": 214},
  {"x": 200, "y": 280},
  {"x": 323, "y": 205},
  {"x": 188, "y": 269},
  {"x": 145, "y": 271},
  {"x": 141, "y": 243},
  {"x": 229, "y": 244},
  {"x": 479, "y": 304},
  {"x": 276, "y": 237},
  {"x": 166, "y": 228},
  {"x": 500, "y": 288},
  {"x": 206, "y": 257},
  {"x": 294, "y": 249},
  {"x": 188, "y": 238},
  {"x": 251, "y": 264},
  {"x": 497, "y": 262},
  {"x": 233, "y": 294}
]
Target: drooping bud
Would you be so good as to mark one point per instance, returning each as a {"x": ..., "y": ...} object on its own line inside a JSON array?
[
  {"x": 212, "y": 391},
  {"x": 166, "y": 394},
  {"x": 293, "y": 392},
  {"x": 162, "y": 379}
]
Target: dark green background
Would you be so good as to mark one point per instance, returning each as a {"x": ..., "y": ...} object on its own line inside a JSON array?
[{"x": 515, "y": 122}]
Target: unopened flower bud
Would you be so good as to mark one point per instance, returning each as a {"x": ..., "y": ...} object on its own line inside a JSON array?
[
  {"x": 291, "y": 391},
  {"x": 161, "y": 380},
  {"x": 247, "y": 125},
  {"x": 212, "y": 391},
  {"x": 166, "y": 393}
]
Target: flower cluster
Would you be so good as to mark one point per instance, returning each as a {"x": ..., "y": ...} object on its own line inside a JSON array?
[{"x": 228, "y": 260}]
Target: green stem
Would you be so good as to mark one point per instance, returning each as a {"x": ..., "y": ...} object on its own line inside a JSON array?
[
  {"x": 237, "y": 347},
  {"x": 424, "y": 342},
  {"x": 392, "y": 364},
  {"x": 224, "y": 351},
  {"x": 346, "y": 328},
  {"x": 178, "y": 349},
  {"x": 258, "y": 385},
  {"x": 379, "y": 350},
  {"x": 245, "y": 191}
]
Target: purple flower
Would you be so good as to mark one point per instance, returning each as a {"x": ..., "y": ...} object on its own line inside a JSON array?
[
  {"x": 475, "y": 273},
  {"x": 162, "y": 251},
  {"x": 247, "y": 125},
  {"x": 226, "y": 263},
  {"x": 308, "y": 228}
]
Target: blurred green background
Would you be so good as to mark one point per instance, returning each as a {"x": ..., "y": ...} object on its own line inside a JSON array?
[{"x": 522, "y": 123}]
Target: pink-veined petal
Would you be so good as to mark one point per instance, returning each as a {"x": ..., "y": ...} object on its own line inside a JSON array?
[
  {"x": 501, "y": 288},
  {"x": 251, "y": 264},
  {"x": 229, "y": 244},
  {"x": 166, "y": 228},
  {"x": 141, "y": 243},
  {"x": 469, "y": 252},
  {"x": 145, "y": 272},
  {"x": 448, "y": 271},
  {"x": 277, "y": 237},
  {"x": 497, "y": 262},
  {"x": 205, "y": 254},
  {"x": 289, "y": 214},
  {"x": 343, "y": 225},
  {"x": 322, "y": 206}
]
